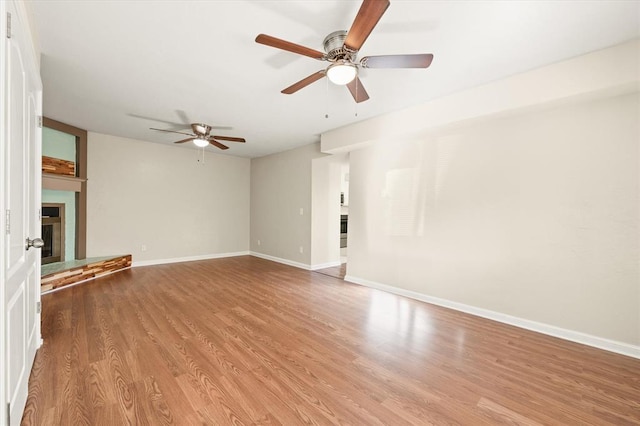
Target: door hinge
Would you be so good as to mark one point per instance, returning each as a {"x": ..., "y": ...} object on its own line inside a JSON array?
[
  {"x": 40, "y": 121},
  {"x": 40, "y": 215},
  {"x": 7, "y": 223},
  {"x": 38, "y": 307},
  {"x": 8, "y": 25}
]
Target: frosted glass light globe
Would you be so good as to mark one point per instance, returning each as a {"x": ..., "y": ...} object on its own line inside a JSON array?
[
  {"x": 200, "y": 142},
  {"x": 341, "y": 73}
]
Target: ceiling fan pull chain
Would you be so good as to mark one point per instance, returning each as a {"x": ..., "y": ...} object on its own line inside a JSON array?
[
  {"x": 326, "y": 114},
  {"x": 357, "y": 95},
  {"x": 198, "y": 157}
]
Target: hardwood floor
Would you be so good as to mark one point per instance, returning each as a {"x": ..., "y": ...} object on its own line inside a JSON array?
[
  {"x": 334, "y": 271},
  {"x": 247, "y": 341}
]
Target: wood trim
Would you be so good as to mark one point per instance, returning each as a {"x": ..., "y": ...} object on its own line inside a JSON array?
[
  {"x": 81, "y": 197},
  {"x": 81, "y": 222},
  {"x": 62, "y": 127},
  {"x": 81, "y": 173}
]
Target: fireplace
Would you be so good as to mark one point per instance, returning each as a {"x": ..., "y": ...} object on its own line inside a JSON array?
[{"x": 52, "y": 233}]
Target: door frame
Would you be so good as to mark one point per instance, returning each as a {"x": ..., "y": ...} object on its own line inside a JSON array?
[{"x": 3, "y": 224}]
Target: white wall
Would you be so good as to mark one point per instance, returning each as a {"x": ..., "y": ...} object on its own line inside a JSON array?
[
  {"x": 615, "y": 70},
  {"x": 516, "y": 200},
  {"x": 534, "y": 216},
  {"x": 160, "y": 196},
  {"x": 280, "y": 189}
]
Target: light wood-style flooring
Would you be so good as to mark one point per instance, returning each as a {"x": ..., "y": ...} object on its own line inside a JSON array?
[
  {"x": 334, "y": 271},
  {"x": 247, "y": 341}
]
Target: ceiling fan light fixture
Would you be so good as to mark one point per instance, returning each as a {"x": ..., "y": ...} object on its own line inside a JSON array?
[
  {"x": 200, "y": 142},
  {"x": 342, "y": 73}
]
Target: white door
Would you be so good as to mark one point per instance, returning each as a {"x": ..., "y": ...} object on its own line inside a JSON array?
[{"x": 21, "y": 202}]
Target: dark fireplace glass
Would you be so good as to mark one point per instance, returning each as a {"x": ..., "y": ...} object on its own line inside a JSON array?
[
  {"x": 47, "y": 236},
  {"x": 50, "y": 211},
  {"x": 52, "y": 251}
]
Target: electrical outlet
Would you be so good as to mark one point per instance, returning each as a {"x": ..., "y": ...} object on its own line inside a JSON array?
[
  {"x": 301, "y": 249},
  {"x": 143, "y": 248},
  {"x": 301, "y": 211},
  {"x": 258, "y": 242}
]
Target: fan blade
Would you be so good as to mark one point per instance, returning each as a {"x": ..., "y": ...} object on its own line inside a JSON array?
[
  {"x": 288, "y": 46},
  {"x": 177, "y": 126},
  {"x": 368, "y": 16},
  {"x": 357, "y": 90},
  {"x": 188, "y": 123},
  {"x": 304, "y": 82},
  {"x": 397, "y": 61},
  {"x": 185, "y": 140},
  {"x": 218, "y": 144},
  {"x": 173, "y": 131},
  {"x": 229, "y": 138},
  {"x": 183, "y": 116}
]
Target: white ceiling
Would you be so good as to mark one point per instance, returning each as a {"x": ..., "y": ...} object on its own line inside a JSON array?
[{"x": 107, "y": 63}]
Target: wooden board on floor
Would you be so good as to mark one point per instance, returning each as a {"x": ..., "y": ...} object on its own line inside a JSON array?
[{"x": 84, "y": 272}]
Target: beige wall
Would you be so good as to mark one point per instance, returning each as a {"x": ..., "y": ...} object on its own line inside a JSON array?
[
  {"x": 160, "y": 196},
  {"x": 280, "y": 189},
  {"x": 534, "y": 216}
]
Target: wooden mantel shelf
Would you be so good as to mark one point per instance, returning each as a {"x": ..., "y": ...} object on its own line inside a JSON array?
[{"x": 62, "y": 183}]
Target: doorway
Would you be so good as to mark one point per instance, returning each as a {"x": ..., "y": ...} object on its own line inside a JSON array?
[{"x": 330, "y": 210}]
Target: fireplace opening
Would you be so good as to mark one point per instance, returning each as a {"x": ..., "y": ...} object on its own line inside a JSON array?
[{"x": 52, "y": 233}]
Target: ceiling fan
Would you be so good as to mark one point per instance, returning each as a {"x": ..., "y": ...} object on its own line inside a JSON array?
[
  {"x": 341, "y": 49},
  {"x": 202, "y": 137}
]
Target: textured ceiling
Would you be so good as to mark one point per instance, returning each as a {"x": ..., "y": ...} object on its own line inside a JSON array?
[{"x": 108, "y": 64}]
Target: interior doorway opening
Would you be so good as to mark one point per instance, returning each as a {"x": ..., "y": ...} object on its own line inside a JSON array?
[{"x": 330, "y": 214}]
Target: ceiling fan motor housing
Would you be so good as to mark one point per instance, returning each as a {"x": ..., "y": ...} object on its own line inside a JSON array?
[
  {"x": 334, "y": 47},
  {"x": 201, "y": 129}
]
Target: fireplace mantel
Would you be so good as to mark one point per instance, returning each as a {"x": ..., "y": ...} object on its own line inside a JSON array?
[{"x": 62, "y": 183}]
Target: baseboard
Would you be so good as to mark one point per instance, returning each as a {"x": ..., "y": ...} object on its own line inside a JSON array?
[
  {"x": 187, "y": 259},
  {"x": 280, "y": 260},
  {"x": 562, "y": 333},
  {"x": 325, "y": 265}
]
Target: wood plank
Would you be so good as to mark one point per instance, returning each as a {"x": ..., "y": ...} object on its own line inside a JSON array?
[
  {"x": 84, "y": 273},
  {"x": 250, "y": 341},
  {"x": 58, "y": 166}
]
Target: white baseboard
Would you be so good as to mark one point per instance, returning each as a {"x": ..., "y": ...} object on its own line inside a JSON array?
[
  {"x": 242, "y": 253},
  {"x": 280, "y": 260},
  {"x": 562, "y": 333},
  {"x": 325, "y": 265},
  {"x": 187, "y": 259}
]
